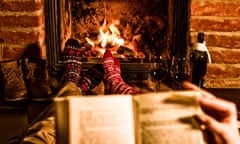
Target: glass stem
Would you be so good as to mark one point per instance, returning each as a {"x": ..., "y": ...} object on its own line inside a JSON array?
[{"x": 158, "y": 82}]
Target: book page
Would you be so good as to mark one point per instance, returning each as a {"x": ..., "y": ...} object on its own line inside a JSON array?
[
  {"x": 102, "y": 120},
  {"x": 168, "y": 118}
]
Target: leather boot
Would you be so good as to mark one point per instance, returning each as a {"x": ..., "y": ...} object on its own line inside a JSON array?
[
  {"x": 36, "y": 75},
  {"x": 14, "y": 85}
]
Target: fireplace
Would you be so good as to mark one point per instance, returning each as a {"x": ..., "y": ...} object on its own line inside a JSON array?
[{"x": 142, "y": 26}]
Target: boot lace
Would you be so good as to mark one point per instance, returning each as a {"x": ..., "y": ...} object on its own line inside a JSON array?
[
  {"x": 13, "y": 74},
  {"x": 37, "y": 73}
]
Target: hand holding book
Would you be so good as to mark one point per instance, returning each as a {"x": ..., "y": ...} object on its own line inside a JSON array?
[{"x": 219, "y": 116}]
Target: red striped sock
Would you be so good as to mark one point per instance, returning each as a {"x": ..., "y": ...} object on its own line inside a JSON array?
[{"x": 113, "y": 82}]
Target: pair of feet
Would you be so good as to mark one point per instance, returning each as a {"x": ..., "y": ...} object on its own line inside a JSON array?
[{"x": 109, "y": 72}]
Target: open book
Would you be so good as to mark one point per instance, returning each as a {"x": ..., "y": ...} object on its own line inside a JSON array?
[{"x": 153, "y": 118}]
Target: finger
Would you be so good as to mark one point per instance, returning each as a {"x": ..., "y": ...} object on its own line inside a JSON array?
[
  {"x": 210, "y": 123},
  {"x": 220, "y": 106},
  {"x": 190, "y": 86}
]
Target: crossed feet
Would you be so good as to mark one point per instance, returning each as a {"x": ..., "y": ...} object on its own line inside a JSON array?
[{"x": 109, "y": 72}]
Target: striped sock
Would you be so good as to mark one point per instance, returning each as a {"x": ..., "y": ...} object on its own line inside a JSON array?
[
  {"x": 72, "y": 61},
  {"x": 113, "y": 82},
  {"x": 92, "y": 78}
]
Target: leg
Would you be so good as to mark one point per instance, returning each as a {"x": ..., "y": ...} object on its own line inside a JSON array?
[
  {"x": 72, "y": 63},
  {"x": 42, "y": 129},
  {"x": 113, "y": 82}
]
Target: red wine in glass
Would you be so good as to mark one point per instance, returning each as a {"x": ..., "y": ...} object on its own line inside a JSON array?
[
  {"x": 181, "y": 76},
  {"x": 158, "y": 69},
  {"x": 158, "y": 74},
  {"x": 180, "y": 68}
]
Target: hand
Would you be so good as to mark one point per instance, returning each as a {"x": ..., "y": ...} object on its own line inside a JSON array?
[{"x": 219, "y": 116}]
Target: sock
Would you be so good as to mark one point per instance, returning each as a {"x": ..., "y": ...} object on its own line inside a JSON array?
[
  {"x": 92, "y": 78},
  {"x": 113, "y": 82},
  {"x": 72, "y": 61}
]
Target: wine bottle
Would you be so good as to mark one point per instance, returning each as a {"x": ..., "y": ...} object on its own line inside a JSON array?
[{"x": 199, "y": 58}]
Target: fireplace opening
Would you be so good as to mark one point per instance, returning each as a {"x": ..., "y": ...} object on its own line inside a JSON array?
[{"x": 132, "y": 29}]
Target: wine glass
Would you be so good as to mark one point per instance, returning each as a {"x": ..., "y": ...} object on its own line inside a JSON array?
[
  {"x": 158, "y": 69},
  {"x": 180, "y": 68}
]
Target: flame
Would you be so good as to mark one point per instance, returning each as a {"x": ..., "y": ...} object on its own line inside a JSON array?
[{"x": 109, "y": 36}]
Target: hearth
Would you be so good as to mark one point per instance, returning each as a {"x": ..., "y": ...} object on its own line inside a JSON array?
[{"x": 132, "y": 29}]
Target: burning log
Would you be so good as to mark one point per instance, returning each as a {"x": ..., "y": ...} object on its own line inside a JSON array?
[{"x": 123, "y": 50}]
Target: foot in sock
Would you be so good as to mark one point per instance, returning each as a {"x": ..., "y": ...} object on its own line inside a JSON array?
[
  {"x": 92, "y": 78},
  {"x": 72, "y": 55},
  {"x": 113, "y": 82}
]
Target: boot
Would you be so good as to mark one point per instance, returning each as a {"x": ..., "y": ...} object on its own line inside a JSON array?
[
  {"x": 14, "y": 85},
  {"x": 36, "y": 75}
]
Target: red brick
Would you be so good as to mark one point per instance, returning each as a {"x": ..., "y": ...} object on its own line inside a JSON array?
[
  {"x": 223, "y": 83},
  {"x": 13, "y": 52},
  {"x": 20, "y": 51},
  {"x": 223, "y": 71},
  {"x": 25, "y": 5},
  {"x": 21, "y": 21},
  {"x": 213, "y": 24},
  {"x": 223, "y": 41},
  {"x": 225, "y": 56},
  {"x": 21, "y": 37},
  {"x": 217, "y": 40},
  {"x": 213, "y": 8}
]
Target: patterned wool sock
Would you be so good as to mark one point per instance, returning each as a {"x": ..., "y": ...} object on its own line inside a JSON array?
[
  {"x": 113, "y": 82},
  {"x": 92, "y": 78},
  {"x": 72, "y": 61}
]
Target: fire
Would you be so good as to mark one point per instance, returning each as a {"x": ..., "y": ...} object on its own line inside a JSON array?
[{"x": 109, "y": 37}]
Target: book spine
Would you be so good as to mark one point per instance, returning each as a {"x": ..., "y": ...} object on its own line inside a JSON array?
[{"x": 62, "y": 121}]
